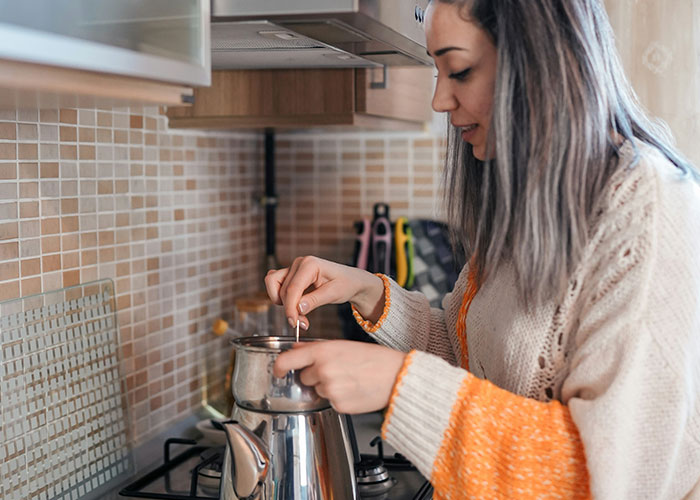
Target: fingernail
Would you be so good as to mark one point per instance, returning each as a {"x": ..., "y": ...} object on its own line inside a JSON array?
[
  {"x": 291, "y": 322},
  {"x": 303, "y": 325},
  {"x": 303, "y": 307}
]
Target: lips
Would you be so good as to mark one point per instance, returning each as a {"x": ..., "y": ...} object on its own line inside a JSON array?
[
  {"x": 468, "y": 131},
  {"x": 465, "y": 126}
]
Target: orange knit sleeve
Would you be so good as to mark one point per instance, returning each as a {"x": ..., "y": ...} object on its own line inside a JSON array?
[
  {"x": 367, "y": 325},
  {"x": 501, "y": 445}
]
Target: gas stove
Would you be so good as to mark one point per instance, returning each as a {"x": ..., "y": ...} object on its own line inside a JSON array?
[{"x": 191, "y": 470}]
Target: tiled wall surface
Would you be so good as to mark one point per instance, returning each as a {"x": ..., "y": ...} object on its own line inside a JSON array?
[
  {"x": 170, "y": 216},
  {"x": 328, "y": 181}
]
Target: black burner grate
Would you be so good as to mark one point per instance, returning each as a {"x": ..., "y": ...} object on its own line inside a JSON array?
[{"x": 137, "y": 488}]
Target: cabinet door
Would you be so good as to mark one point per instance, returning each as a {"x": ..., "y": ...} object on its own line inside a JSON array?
[
  {"x": 162, "y": 40},
  {"x": 401, "y": 93}
]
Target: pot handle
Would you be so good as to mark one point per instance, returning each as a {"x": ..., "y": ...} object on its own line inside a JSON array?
[{"x": 250, "y": 460}]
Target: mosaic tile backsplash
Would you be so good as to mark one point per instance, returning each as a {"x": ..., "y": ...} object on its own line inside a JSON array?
[{"x": 172, "y": 217}]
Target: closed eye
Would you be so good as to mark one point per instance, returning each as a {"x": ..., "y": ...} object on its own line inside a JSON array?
[{"x": 461, "y": 75}]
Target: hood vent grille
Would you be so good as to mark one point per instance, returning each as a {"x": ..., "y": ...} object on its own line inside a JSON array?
[
  {"x": 240, "y": 45},
  {"x": 257, "y": 36}
]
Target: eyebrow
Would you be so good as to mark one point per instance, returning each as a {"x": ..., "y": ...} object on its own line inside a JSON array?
[{"x": 444, "y": 50}]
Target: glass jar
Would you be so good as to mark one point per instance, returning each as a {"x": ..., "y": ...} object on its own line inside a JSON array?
[
  {"x": 252, "y": 316},
  {"x": 251, "y": 319},
  {"x": 276, "y": 317}
]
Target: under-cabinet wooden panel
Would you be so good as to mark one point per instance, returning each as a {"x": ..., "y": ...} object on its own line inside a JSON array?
[
  {"x": 308, "y": 98},
  {"x": 272, "y": 93}
]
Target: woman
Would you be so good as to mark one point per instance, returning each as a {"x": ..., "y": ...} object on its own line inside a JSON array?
[{"x": 566, "y": 361}]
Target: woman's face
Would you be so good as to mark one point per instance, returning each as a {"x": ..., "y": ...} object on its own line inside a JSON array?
[{"x": 465, "y": 58}]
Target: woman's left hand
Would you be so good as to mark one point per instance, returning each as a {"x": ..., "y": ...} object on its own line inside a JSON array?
[{"x": 355, "y": 377}]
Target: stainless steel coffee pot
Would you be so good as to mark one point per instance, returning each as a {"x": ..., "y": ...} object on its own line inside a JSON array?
[{"x": 284, "y": 441}]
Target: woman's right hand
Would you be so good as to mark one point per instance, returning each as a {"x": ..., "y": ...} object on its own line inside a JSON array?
[{"x": 330, "y": 283}]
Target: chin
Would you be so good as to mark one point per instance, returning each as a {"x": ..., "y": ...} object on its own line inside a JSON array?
[{"x": 478, "y": 153}]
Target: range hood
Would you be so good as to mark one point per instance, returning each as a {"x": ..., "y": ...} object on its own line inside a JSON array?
[{"x": 256, "y": 34}]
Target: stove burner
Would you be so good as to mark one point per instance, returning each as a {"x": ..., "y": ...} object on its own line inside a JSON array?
[
  {"x": 372, "y": 477},
  {"x": 209, "y": 476}
]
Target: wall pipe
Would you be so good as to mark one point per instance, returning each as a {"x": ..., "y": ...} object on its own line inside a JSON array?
[{"x": 270, "y": 200}]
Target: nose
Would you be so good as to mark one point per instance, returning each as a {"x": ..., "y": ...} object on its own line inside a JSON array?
[{"x": 443, "y": 98}]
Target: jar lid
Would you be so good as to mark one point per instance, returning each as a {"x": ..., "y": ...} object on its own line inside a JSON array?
[{"x": 252, "y": 303}]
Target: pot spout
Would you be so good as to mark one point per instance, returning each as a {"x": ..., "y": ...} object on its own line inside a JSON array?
[{"x": 246, "y": 464}]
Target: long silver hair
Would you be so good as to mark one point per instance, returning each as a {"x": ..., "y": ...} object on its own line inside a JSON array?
[{"x": 560, "y": 97}]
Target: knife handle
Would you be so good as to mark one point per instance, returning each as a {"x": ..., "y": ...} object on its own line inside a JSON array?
[
  {"x": 400, "y": 241},
  {"x": 410, "y": 255},
  {"x": 381, "y": 246},
  {"x": 362, "y": 243}
]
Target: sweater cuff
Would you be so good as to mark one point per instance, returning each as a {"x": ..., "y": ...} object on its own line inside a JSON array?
[
  {"x": 367, "y": 325},
  {"x": 419, "y": 409}
]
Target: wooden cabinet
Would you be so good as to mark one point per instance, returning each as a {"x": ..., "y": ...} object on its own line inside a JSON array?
[{"x": 309, "y": 98}]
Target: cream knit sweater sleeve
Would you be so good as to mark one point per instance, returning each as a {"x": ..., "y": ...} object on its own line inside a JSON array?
[
  {"x": 411, "y": 323},
  {"x": 621, "y": 352}
]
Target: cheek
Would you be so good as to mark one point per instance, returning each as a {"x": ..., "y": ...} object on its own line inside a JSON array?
[
  {"x": 484, "y": 103},
  {"x": 478, "y": 100}
]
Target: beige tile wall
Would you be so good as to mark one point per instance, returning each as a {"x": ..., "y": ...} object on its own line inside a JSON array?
[
  {"x": 327, "y": 181},
  {"x": 170, "y": 216}
]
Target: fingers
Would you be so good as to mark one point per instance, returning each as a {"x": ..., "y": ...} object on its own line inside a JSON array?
[
  {"x": 294, "y": 359},
  {"x": 303, "y": 322},
  {"x": 304, "y": 273},
  {"x": 317, "y": 298},
  {"x": 290, "y": 276},
  {"x": 353, "y": 376},
  {"x": 304, "y": 357},
  {"x": 296, "y": 282},
  {"x": 309, "y": 376},
  {"x": 273, "y": 282},
  {"x": 332, "y": 284}
]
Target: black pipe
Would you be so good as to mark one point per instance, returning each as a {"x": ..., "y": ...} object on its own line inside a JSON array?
[{"x": 270, "y": 199}]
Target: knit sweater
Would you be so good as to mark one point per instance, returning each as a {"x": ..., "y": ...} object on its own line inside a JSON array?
[{"x": 597, "y": 394}]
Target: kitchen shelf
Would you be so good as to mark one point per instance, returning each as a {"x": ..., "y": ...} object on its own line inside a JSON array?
[{"x": 310, "y": 98}]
